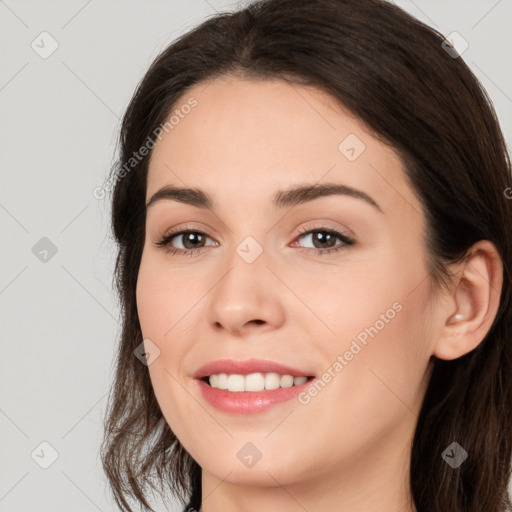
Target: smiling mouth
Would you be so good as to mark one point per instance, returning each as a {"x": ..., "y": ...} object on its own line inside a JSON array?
[{"x": 254, "y": 382}]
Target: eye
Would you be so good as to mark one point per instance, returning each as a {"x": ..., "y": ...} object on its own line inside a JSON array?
[
  {"x": 324, "y": 236},
  {"x": 192, "y": 241}
]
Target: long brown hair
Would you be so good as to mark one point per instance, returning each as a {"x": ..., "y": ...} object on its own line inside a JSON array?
[{"x": 395, "y": 75}]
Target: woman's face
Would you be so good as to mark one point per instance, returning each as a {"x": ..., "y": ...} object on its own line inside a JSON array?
[{"x": 271, "y": 280}]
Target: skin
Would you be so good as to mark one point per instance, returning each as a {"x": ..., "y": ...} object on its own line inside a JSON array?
[{"x": 348, "y": 448}]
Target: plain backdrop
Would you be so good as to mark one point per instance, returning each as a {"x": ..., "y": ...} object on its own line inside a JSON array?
[{"x": 60, "y": 117}]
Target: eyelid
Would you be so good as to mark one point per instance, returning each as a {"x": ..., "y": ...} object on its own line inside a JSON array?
[
  {"x": 323, "y": 225},
  {"x": 298, "y": 231},
  {"x": 189, "y": 227}
]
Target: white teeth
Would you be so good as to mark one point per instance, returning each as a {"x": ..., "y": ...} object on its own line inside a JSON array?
[
  {"x": 286, "y": 381},
  {"x": 236, "y": 382},
  {"x": 254, "y": 381},
  {"x": 222, "y": 382},
  {"x": 272, "y": 380}
]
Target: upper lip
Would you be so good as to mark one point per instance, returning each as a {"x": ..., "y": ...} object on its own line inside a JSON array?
[{"x": 247, "y": 366}]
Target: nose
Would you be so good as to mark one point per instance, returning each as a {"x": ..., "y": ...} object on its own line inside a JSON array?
[{"x": 248, "y": 296}]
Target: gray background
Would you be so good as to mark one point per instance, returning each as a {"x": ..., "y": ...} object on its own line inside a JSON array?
[{"x": 59, "y": 121}]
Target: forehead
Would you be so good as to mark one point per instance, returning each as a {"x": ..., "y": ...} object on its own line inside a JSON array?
[{"x": 248, "y": 138}]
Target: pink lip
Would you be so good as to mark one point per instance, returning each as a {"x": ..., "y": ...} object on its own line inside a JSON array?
[
  {"x": 246, "y": 367},
  {"x": 247, "y": 402}
]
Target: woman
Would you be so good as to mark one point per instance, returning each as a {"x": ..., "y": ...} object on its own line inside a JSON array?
[{"x": 312, "y": 210}]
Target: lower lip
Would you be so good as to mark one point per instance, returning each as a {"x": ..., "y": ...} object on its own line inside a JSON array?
[{"x": 248, "y": 402}]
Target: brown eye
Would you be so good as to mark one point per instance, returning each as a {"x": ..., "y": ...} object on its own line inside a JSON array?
[
  {"x": 191, "y": 240},
  {"x": 324, "y": 240}
]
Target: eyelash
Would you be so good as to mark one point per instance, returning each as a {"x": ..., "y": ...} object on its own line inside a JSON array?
[{"x": 347, "y": 242}]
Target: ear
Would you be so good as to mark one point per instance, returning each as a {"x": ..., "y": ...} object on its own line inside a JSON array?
[{"x": 474, "y": 303}]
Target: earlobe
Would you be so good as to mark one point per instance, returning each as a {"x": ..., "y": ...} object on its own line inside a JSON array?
[{"x": 475, "y": 302}]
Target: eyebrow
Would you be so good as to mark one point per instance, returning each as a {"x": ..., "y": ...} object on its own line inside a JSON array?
[{"x": 282, "y": 199}]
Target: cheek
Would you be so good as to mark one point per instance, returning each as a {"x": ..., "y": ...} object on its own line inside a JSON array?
[
  {"x": 386, "y": 353},
  {"x": 160, "y": 308},
  {"x": 378, "y": 387},
  {"x": 380, "y": 332},
  {"x": 160, "y": 300}
]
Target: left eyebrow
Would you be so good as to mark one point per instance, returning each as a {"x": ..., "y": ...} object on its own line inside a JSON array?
[
  {"x": 283, "y": 198},
  {"x": 304, "y": 193}
]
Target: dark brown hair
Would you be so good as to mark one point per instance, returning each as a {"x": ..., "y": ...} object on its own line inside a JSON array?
[{"x": 393, "y": 73}]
